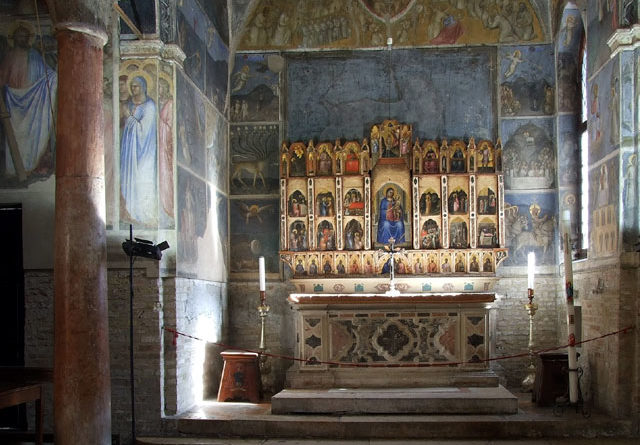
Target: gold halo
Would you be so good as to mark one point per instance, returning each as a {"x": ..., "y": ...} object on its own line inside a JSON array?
[
  {"x": 534, "y": 206},
  {"x": 22, "y": 24}
]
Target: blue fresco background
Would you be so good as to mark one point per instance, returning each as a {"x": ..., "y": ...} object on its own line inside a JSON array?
[{"x": 443, "y": 93}]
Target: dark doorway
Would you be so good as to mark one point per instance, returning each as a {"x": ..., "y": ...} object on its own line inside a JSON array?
[{"x": 12, "y": 302}]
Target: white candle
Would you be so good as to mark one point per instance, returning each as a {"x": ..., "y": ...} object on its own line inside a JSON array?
[
  {"x": 263, "y": 285},
  {"x": 531, "y": 269},
  {"x": 571, "y": 328}
]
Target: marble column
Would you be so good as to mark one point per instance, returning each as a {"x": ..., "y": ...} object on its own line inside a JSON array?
[{"x": 82, "y": 390}]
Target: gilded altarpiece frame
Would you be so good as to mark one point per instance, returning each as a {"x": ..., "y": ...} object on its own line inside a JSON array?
[{"x": 447, "y": 218}]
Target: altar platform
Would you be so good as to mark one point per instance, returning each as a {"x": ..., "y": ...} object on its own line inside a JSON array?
[{"x": 223, "y": 420}]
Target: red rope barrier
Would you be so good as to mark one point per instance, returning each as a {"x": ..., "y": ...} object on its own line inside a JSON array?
[{"x": 176, "y": 334}]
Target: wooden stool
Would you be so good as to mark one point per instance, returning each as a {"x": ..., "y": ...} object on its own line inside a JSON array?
[{"x": 240, "y": 377}]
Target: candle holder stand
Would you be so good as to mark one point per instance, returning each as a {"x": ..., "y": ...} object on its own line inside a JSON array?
[
  {"x": 264, "y": 362},
  {"x": 563, "y": 402},
  {"x": 527, "y": 383}
]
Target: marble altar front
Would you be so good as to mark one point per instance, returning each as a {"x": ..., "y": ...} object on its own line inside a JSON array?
[{"x": 378, "y": 340}]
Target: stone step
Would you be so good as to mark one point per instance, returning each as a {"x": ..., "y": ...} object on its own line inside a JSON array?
[
  {"x": 212, "y": 419},
  {"x": 354, "y": 401}
]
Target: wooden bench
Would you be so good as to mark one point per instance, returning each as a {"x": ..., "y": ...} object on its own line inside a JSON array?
[{"x": 12, "y": 394}]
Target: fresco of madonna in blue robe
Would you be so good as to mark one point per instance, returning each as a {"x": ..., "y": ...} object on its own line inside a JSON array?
[{"x": 138, "y": 156}]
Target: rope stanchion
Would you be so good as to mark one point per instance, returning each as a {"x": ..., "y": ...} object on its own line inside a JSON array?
[{"x": 177, "y": 334}]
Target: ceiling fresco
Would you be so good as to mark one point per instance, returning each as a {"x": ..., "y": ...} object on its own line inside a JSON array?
[{"x": 336, "y": 24}]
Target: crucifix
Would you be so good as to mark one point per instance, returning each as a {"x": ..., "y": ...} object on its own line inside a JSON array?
[{"x": 392, "y": 250}]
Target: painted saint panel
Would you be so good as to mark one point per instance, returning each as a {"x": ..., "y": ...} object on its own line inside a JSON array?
[
  {"x": 254, "y": 88},
  {"x": 531, "y": 220},
  {"x": 254, "y": 159},
  {"x": 527, "y": 80},
  {"x": 166, "y": 145},
  {"x": 192, "y": 123},
  {"x": 193, "y": 208},
  {"x": 603, "y": 208},
  {"x": 216, "y": 74},
  {"x": 31, "y": 81},
  {"x": 629, "y": 173},
  {"x": 627, "y": 98},
  {"x": 218, "y": 15},
  {"x": 139, "y": 144},
  {"x": 571, "y": 30},
  {"x": 216, "y": 148},
  {"x": 529, "y": 153},
  {"x": 194, "y": 49},
  {"x": 604, "y": 111},
  {"x": 568, "y": 150},
  {"x": 568, "y": 85},
  {"x": 331, "y": 95},
  {"x": 602, "y": 20},
  {"x": 253, "y": 224}
]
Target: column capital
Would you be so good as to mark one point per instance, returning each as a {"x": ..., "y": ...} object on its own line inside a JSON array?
[
  {"x": 84, "y": 28},
  {"x": 152, "y": 48},
  {"x": 624, "y": 39}
]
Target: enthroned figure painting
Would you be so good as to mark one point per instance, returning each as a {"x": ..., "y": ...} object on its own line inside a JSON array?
[{"x": 391, "y": 207}]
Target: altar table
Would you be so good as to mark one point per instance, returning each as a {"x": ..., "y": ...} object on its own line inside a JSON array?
[{"x": 378, "y": 340}]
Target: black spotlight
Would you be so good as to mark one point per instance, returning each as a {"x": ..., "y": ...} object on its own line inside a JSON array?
[{"x": 144, "y": 248}]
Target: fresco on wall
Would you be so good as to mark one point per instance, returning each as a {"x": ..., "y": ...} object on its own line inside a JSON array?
[
  {"x": 218, "y": 15},
  {"x": 254, "y": 159},
  {"x": 529, "y": 154},
  {"x": 194, "y": 49},
  {"x": 569, "y": 201},
  {"x": 191, "y": 125},
  {"x": 139, "y": 143},
  {"x": 217, "y": 70},
  {"x": 366, "y": 23},
  {"x": 602, "y": 19},
  {"x": 142, "y": 13},
  {"x": 110, "y": 149},
  {"x": 29, "y": 80},
  {"x": 627, "y": 99},
  {"x": 604, "y": 111},
  {"x": 166, "y": 145},
  {"x": 569, "y": 95},
  {"x": 222, "y": 213},
  {"x": 531, "y": 220},
  {"x": 253, "y": 224},
  {"x": 216, "y": 148},
  {"x": 255, "y": 87},
  {"x": 527, "y": 80},
  {"x": 603, "y": 208},
  {"x": 571, "y": 30},
  {"x": 630, "y": 201},
  {"x": 193, "y": 208},
  {"x": 335, "y": 95},
  {"x": 568, "y": 150}
]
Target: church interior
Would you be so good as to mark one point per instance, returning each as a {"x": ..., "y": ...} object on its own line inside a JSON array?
[{"x": 256, "y": 210}]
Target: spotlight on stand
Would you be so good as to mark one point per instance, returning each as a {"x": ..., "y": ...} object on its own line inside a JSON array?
[
  {"x": 144, "y": 248},
  {"x": 137, "y": 247}
]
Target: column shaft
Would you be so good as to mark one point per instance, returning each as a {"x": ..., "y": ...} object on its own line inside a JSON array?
[{"x": 82, "y": 390}]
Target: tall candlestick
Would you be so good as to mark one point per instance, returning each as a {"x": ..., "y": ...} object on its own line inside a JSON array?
[
  {"x": 263, "y": 286},
  {"x": 568, "y": 277},
  {"x": 531, "y": 266}
]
